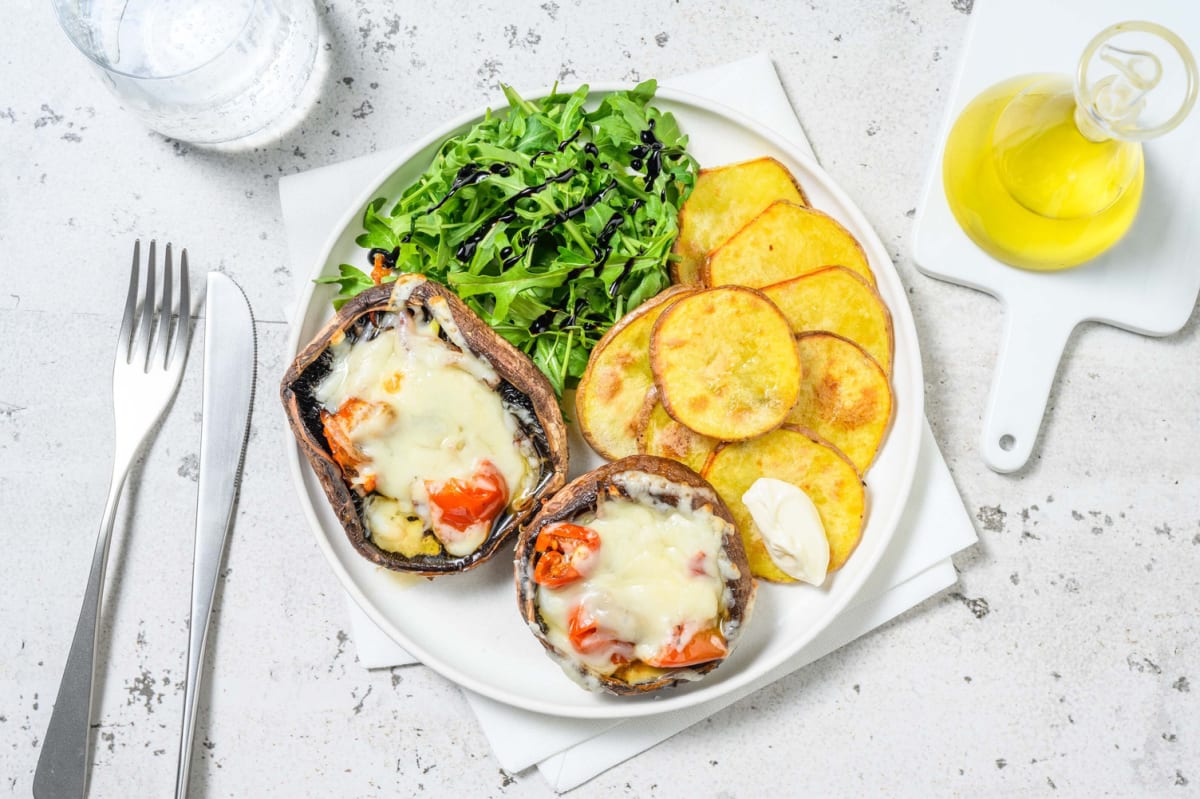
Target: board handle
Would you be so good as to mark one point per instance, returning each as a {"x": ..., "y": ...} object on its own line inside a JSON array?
[{"x": 1033, "y": 344}]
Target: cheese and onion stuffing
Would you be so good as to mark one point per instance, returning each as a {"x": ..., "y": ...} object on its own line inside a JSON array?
[
  {"x": 791, "y": 528},
  {"x": 420, "y": 431},
  {"x": 639, "y": 580}
]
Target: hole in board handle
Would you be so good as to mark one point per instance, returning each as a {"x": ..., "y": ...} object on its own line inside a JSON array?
[{"x": 1007, "y": 442}]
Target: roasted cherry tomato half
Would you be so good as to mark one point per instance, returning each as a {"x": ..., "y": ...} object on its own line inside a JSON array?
[
  {"x": 460, "y": 504},
  {"x": 703, "y": 646},
  {"x": 566, "y": 552},
  {"x": 589, "y": 638}
]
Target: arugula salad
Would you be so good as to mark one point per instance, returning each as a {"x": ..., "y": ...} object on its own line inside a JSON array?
[{"x": 549, "y": 220}]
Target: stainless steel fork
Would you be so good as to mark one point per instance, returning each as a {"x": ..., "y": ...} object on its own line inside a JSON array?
[{"x": 151, "y": 352}]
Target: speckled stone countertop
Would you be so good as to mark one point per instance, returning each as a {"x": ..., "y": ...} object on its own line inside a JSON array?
[{"x": 1066, "y": 662}]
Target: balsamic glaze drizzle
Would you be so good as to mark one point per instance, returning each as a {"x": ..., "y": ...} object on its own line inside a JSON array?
[
  {"x": 564, "y": 144},
  {"x": 645, "y": 156},
  {"x": 468, "y": 175},
  {"x": 542, "y": 323},
  {"x": 601, "y": 249},
  {"x": 651, "y": 150},
  {"x": 625, "y": 270},
  {"x": 389, "y": 257},
  {"x": 579, "y": 306},
  {"x": 467, "y": 249},
  {"x": 559, "y": 218}
]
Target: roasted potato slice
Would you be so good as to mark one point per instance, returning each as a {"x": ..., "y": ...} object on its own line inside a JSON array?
[
  {"x": 659, "y": 434},
  {"x": 723, "y": 199},
  {"x": 836, "y": 300},
  {"x": 845, "y": 396},
  {"x": 784, "y": 241},
  {"x": 725, "y": 363},
  {"x": 613, "y": 388},
  {"x": 799, "y": 457}
]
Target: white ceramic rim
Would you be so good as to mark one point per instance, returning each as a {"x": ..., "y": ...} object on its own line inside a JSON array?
[{"x": 914, "y": 404}]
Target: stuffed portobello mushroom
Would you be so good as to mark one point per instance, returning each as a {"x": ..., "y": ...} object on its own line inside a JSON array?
[
  {"x": 633, "y": 577},
  {"x": 433, "y": 437}
]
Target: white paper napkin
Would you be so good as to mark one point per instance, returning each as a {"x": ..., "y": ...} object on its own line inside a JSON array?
[
  {"x": 568, "y": 752},
  {"x": 916, "y": 566}
]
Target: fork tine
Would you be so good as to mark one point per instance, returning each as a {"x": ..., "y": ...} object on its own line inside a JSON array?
[
  {"x": 183, "y": 331},
  {"x": 123, "y": 350},
  {"x": 162, "y": 331},
  {"x": 141, "y": 339}
]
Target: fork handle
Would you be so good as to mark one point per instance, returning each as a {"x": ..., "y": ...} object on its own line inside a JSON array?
[{"x": 62, "y": 769}]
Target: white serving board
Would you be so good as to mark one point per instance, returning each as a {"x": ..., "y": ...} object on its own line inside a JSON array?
[{"x": 1147, "y": 284}]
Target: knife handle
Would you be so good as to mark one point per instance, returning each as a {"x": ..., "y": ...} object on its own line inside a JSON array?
[{"x": 206, "y": 568}]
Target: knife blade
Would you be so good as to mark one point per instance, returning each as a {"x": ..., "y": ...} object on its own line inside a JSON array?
[{"x": 230, "y": 347}]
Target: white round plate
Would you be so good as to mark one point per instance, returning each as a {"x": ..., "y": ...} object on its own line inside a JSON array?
[{"x": 467, "y": 627}]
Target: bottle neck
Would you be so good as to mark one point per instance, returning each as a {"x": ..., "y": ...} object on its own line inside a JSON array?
[
  {"x": 1056, "y": 161},
  {"x": 1088, "y": 127}
]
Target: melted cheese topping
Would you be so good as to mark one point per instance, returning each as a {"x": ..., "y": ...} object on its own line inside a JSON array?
[
  {"x": 659, "y": 567},
  {"x": 436, "y": 416}
]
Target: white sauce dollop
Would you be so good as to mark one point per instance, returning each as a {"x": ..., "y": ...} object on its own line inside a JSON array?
[{"x": 791, "y": 528}]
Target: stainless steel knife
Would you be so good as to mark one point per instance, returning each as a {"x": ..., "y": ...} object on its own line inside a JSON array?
[{"x": 229, "y": 369}]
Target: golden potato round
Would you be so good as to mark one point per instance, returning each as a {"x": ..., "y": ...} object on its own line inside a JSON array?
[
  {"x": 785, "y": 241},
  {"x": 836, "y": 300},
  {"x": 614, "y": 385},
  {"x": 723, "y": 199},
  {"x": 799, "y": 457},
  {"x": 725, "y": 363},
  {"x": 659, "y": 434},
  {"x": 845, "y": 396}
]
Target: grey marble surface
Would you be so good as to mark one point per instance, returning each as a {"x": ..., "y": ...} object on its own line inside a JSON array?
[{"x": 1066, "y": 662}]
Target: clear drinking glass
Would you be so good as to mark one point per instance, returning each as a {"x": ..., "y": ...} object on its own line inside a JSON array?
[{"x": 202, "y": 71}]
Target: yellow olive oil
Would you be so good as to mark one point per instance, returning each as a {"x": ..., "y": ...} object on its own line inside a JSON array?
[{"x": 1028, "y": 187}]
